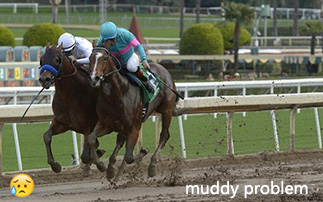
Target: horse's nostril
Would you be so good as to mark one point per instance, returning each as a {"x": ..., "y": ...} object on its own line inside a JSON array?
[
  {"x": 47, "y": 79},
  {"x": 97, "y": 78}
]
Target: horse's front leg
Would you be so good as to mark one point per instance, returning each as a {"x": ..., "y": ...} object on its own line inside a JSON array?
[
  {"x": 93, "y": 143},
  {"x": 111, "y": 171},
  {"x": 54, "y": 129}
]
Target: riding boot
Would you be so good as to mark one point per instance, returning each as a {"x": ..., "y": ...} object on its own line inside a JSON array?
[{"x": 148, "y": 79}]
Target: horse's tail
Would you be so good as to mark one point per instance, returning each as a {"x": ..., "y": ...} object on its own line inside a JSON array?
[{"x": 175, "y": 110}]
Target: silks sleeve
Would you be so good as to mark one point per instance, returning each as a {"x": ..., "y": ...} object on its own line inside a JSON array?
[
  {"x": 140, "y": 51},
  {"x": 138, "y": 47}
]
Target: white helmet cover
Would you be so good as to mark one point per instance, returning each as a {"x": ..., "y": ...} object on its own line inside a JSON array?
[{"x": 68, "y": 41}]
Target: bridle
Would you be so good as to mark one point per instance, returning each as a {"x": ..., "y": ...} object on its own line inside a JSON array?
[
  {"x": 105, "y": 73},
  {"x": 56, "y": 72}
]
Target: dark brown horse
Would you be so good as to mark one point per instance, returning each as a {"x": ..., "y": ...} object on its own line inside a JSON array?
[
  {"x": 120, "y": 108},
  {"x": 73, "y": 104}
]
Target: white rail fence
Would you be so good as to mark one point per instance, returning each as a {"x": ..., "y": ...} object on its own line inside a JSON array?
[
  {"x": 16, "y": 93},
  {"x": 229, "y": 104}
]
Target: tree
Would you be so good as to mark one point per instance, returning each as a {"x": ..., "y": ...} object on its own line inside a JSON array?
[
  {"x": 314, "y": 28},
  {"x": 295, "y": 30},
  {"x": 55, "y": 4},
  {"x": 198, "y": 9},
  {"x": 239, "y": 14},
  {"x": 181, "y": 24},
  {"x": 274, "y": 32}
]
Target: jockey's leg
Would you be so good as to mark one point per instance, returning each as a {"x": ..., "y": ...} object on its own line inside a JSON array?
[{"x": 147, "y": 79}]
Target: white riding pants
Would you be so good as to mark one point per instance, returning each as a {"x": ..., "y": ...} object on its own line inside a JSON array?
[{"x": 133, "y": 63}]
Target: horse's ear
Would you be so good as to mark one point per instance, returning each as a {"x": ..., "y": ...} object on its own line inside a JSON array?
[
  {"x": 94, "y": 43},
  {"x": 47, "y": 45},
  {"x": 60, "y": 47},
  {"x": 108, "y": 44}
]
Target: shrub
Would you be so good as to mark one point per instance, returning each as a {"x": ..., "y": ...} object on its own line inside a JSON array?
[
  {"x": 201, "y": 39},
  {"x": 39, "y": 34},
  {"x": 6, "y": 37},
  {"x": 227, "y": 30}
]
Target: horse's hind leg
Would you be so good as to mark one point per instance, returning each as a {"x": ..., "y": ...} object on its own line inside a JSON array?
[
  {"x": 164, "y": 136},
  {"x": 130, "y": 145},
  {"x": 111, "y": 170},
  {"x": 54, "y": 129}
]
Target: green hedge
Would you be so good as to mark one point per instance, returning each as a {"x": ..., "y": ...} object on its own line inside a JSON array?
[
  {"x": 202, "y": 39},
  {"x": 227, "y": 30},
  {"x": 39, "y": 34},
  {"x": 6, "y": 37}
]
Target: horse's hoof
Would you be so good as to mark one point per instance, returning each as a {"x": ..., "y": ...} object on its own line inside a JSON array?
[
  {"x": 100, "y": 152},
  {"x": 151, "y": 170},
  {"x": 111, "y": 172},
  {"x": 101, "y": 166},
  {"x": 86, "y": 170},
  {"x": 143, "y": 151},
  {"x": 56, "y": 167},
  {"x": 85, "y": 159}
]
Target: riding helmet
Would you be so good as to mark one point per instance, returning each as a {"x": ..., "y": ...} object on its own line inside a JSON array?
[
  {"x": 68, "y": 41},
  {"x": 108, "y": 30}
]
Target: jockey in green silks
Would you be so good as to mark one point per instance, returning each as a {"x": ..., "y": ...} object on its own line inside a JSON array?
[{"x": 124, "y": 44}]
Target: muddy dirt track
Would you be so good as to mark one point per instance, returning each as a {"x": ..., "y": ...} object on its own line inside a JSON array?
[{"x": 247, "y": 171}]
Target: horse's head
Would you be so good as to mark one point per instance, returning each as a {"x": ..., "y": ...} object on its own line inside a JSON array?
[
  {"x": 50, "y": 65},
  {"x": 101, "y": 65}
]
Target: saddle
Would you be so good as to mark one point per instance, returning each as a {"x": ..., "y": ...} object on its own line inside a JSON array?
[{"x": 147, "y": 96}]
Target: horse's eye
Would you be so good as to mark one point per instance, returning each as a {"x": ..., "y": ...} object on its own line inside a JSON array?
[{"x": 105, "y": 59}]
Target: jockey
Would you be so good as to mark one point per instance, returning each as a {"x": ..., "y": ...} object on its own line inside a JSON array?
[
  {"x": 78, "y": 49},
  {"x": 124, "y": 44}
]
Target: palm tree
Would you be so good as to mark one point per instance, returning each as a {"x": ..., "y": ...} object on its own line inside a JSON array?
[
  {"x": 275, "y": 33},
  {"x": 181, "y": 24},
  {"x": 240, "y": 14},
  {"x": 198, "y": 9},
  {"x": 314, "y": 28},
  {"x": 55, "y": 4},
  {"x": 295, "y": 30}
]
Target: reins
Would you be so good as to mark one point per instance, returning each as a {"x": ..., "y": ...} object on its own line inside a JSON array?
[
  {"x": 75, "y": 70},
  {"x": 105, "y": 75}
]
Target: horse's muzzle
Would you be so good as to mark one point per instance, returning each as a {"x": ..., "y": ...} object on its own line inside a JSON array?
[
  {"x": 95, "y": 83},
  {"x": 45, "y": 82}
]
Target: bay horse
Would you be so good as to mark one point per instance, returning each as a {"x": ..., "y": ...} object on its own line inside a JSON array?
[
  {"x": 73, "y": 103},
  {"x": 120, "y": 107}
]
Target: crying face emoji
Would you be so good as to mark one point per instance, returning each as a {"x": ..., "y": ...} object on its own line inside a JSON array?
[{"x": 21, "y": 185}]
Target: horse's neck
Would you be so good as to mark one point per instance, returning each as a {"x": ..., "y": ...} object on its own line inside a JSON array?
[
  {"x": 68, "y": 68},
  {"x": 118, "y": 84}
]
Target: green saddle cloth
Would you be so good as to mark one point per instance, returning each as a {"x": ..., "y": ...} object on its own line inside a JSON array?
[{"x": 147, "y": 96}]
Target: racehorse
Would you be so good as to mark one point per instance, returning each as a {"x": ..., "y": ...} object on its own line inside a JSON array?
[
  {"x": 73, "y": 103},
  {"x": 120, "y": 107}
]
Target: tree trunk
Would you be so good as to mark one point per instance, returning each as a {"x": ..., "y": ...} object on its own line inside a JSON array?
[
  {"x": 67, "y": 12},
  {"x": 236, "y": 41},
  {"x": 54, "y": 12},
  {"x": 181, "y": 26},
  {"x": 322, "y": 21},
  {"x": 55, "y": 4},
  {"x": 275, "y": 32},
  {"x": 313, "y": 39},
  {"x": 198, "y": 8},
  {"x": 295, "y": 30}
]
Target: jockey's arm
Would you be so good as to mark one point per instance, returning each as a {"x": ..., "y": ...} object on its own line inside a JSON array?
[
  {"x": 141, "y": 53},
  {"x": 85, "y": 47}
]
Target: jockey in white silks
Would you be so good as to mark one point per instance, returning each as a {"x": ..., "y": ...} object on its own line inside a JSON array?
[{"x": 78, "y": 49}]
